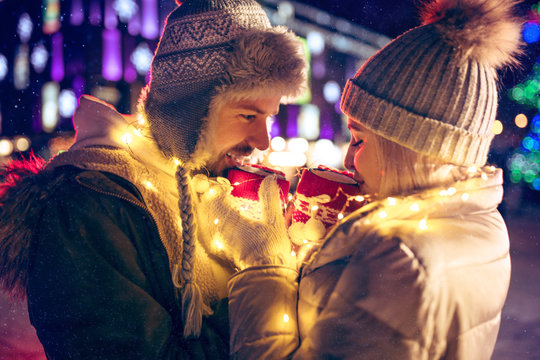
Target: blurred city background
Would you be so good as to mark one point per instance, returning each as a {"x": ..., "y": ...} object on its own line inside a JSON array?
[{"x": 52, "y": 51}]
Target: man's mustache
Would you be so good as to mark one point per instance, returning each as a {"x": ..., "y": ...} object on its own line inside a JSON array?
[{"x": 242, "y": 150}]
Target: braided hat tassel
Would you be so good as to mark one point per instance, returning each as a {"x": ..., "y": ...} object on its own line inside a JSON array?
[{"x": 192, "y": 302}]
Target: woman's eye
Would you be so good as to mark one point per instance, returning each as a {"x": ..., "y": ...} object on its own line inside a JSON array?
[{"x": 359, "y": 142}]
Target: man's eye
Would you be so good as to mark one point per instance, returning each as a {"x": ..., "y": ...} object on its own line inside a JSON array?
[{"x": 249, "y": 117}]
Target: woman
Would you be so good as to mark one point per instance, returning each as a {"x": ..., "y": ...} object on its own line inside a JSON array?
[{"x": 421, "y": 272}]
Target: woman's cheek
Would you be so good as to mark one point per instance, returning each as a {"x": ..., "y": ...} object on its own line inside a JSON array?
[{"x": 358, "y": 157}]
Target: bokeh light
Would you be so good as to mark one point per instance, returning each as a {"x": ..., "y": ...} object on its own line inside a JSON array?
[
  {"x": 331, "y": 91},
  {"x": 25, "y": 27},
  {"x": 3, "y": 67},
  {"x": 22, "y": 143},
  {"x": 315, "y": 42},
  {"x": 125, "y": 9},
  {"x": 6, "y": 147},
  {"x": 142, "y": 58},
  {"x": 278, "y": 143},
  {"x": 531, "y": 32},
  {"x": 521, "y": 120},
  {"x": 39, "y": 57},
  {"x": 67, "y": 102},
  {"x": 497, "y": 127}
]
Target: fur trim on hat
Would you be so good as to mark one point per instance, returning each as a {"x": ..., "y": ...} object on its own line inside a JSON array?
[
  {"x": 266, "y": 63},
  {"x": 483, "y": 30}
]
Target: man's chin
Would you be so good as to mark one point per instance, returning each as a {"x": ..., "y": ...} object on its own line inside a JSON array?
[{"x": 220, "y": 167}]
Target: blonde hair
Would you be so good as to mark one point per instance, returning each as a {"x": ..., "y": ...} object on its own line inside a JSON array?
[{"x": 405, "y": 171}]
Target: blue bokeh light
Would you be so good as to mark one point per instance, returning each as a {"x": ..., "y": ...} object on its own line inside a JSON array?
[{"x": 531, "y": 32}]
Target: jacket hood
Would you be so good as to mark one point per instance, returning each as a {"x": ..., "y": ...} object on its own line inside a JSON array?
[
  {"x": 22, "y": 183},
  {"x": 99, "y": 124}
]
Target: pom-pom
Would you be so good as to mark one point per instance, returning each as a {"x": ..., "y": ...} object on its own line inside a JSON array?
[
  {"x": 200, "y": 183},
  {"x": 484, "y": 30},
  {"x": 296, "y": 233},
  {"x": 314, "y": 229}
]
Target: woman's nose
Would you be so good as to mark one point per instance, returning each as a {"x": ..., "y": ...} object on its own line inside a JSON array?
[{"x": 349, "y": 159}]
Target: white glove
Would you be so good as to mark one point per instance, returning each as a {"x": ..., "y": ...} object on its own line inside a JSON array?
[{"x": 243, "y": 241}]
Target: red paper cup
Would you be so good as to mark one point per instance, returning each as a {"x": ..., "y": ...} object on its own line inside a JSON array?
[
  {"x": 341, "y": 189},
  {"x": 246, "y": 179}
]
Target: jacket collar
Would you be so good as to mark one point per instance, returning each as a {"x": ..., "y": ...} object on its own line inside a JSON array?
[{"x": 480, "y": 193}]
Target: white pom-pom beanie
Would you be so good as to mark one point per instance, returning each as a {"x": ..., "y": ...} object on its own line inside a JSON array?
[{"x": 434, "y": 88}]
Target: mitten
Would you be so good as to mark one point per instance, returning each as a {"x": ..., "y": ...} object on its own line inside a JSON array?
[{"x": 246, "y": 241}]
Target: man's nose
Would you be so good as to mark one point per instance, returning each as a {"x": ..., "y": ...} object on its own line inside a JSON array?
[{"x": 259, "y": 137}]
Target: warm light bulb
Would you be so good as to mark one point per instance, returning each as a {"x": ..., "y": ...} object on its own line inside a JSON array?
[
  {"x": 414, "y": 207},
  {"x": 465, "y": 197},
  {"x": 340, "y": 216},
  {"x": 391, "y": 201},
  {"x": 315, "y": 207},
  {"x": 216, "y": 221},
  {"x": 211, "y": 192},
  {"x": 383, "y": 214},
  {"x": 137, "y": 132},
  {"x": 127, "y": 138},
  {"x": 359, "y": 198},
  {"x": 305, "y": 241},
  {"x": 140, "y": 119},
  {"x": 423, "y": 224},
  {"x": 293, "y": 254},
  {"x": 285, "y": 318},
  {"x": 219, "y": 245},
  {"x": 451, "y": 191},
  {"x": 149, "y": 185},
  {"x": 472, "y": 169}
]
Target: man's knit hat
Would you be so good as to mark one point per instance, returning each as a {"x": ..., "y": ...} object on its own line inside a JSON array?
[
  {"x": 209, "y": 48},
  {"x": 434, "y": 88}
]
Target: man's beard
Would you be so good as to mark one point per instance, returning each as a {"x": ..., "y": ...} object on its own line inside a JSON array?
[{"x": 218, "y": 166}]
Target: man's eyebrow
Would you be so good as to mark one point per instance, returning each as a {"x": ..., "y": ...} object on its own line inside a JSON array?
[{"x": 254, "y": 108}]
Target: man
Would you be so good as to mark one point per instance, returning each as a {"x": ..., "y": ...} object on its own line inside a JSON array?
[{"x": 102, "y": 239}]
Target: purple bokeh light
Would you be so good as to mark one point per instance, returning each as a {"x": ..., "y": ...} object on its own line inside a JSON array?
[
  {"x": 112, "y": 55},
  {"x": 95, "y": 13},
  {"x": 57, "y": 55},
  {"x": 111, "y": 19},
  {"x": 292, "y": 121},
  {"x": 150, "y": 19},
  {"x": 77, "y": 12}
]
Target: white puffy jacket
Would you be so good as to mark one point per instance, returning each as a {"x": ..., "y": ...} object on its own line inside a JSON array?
[{"x": 419, "y": 277}]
